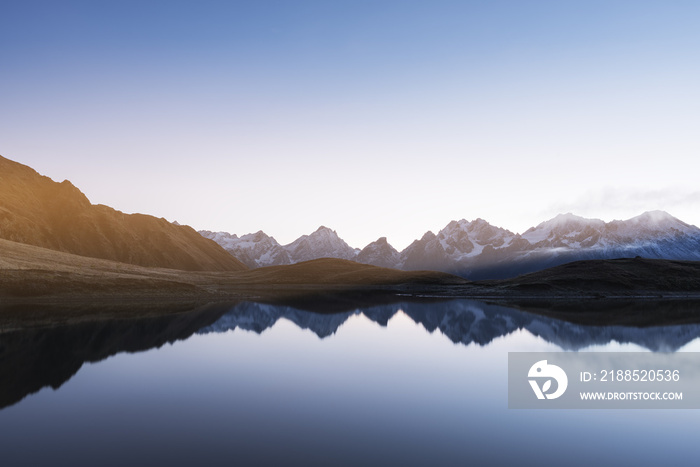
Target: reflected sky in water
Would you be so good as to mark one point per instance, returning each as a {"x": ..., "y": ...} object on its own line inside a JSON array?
[{"x": 364, "y": 394}]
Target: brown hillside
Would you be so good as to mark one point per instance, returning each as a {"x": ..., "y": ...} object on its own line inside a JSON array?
[
  {"x": 28, "y": 271},
  {"x": 38, "y": 211},
  {"x": 325, "y": 271}
]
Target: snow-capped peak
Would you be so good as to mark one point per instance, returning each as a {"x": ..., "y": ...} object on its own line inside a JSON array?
[
  {"x": 322, "y": 243},
  {"x": 656, "y": 219},
  {"x": 650, "y": 225},
  {"x": 253, "y": 249},
  {"x": 567, "y": 219},
  {"x": 560, "y": 230},
  {"x": 222, "y": 238},
  {"x": 258, "y": 236},
  {"x": 462, "y": 239},
  {"x": 379, "y": 253}
]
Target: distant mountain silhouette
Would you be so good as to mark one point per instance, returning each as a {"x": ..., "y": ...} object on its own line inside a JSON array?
[
  {"x": 477, "y": 250},
  {"x": 38, "y": 211}
]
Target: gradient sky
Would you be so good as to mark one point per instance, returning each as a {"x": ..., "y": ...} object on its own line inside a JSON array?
[{"x": 374, "y": 118}]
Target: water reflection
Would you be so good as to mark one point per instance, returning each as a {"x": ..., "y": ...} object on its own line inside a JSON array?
[
  {"x": 466, "y": 322},
  {"x": 359, "y": 394},
  {"x": 33, "y": 358}
]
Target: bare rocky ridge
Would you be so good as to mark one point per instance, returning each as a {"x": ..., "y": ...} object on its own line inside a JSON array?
[
  {"x": 254, "y": 250},
  {"x": 379, "y": 253},
  {"x": 38, "y": 211}
]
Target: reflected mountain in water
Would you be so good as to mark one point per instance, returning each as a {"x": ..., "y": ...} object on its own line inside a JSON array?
[
  {"x": 465, "y": 322},
  {"x": 34, "y": 358}
]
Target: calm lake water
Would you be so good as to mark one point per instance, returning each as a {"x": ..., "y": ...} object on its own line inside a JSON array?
[{"x": 402, "y": 384}]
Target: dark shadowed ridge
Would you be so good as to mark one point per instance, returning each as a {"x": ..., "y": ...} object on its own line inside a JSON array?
[
  {"x": 624, "y": 276},
  {"x": 36, "y": 210}
]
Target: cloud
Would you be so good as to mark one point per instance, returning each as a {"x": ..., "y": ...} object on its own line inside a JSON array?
[{"x": 612, "y": 201}]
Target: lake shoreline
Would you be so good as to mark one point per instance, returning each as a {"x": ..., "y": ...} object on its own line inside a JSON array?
[
  {"x": 633, "y": 309},
  {"x": 83, "y": 288}
]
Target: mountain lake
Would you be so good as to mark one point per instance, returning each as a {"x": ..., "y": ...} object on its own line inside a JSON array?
[{"x": 407, "y": 383}]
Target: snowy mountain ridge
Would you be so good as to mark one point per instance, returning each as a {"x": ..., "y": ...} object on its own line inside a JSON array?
[
  {"x": 259, "y": 249},
  {"x": 478, "y": 250}
]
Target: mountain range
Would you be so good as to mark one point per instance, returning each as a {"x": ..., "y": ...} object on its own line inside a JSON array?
[
  {"x": 477, "y": 250},
  {"x": 259, "y": 249},
  {"x": 35, "y": 210}
]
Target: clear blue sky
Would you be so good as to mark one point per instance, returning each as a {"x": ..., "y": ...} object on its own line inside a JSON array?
[{"x": 375, "y": 118}]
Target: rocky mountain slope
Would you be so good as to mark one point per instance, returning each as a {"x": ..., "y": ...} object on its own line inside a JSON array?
[
  {"x": 35, "y": 210},
  {"x": 254, "y": 250}
]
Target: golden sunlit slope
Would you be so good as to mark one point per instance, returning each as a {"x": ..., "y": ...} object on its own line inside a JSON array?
[
  {"x": 28, "y": 271},
  {"x": 38, "y": 211}
]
